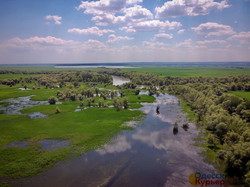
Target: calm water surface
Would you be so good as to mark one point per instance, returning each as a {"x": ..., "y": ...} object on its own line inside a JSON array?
[
  {"x": 150, "y": 155},
  {"x": 117, "y": 81}
]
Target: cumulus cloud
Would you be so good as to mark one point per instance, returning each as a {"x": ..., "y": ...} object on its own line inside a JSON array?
[
  {"x": 207, "y": 42},
  {"x": 52, "y": 43},
  {"x": 186, "y": 43},
  {"x": 177, "y": 8},
  {"x": 162, "y": 35},
  {"x": 93, "y": 44},
  {"x": 131, "y": 14},
  {"x": 151, "y": 26},
  {"x": 242, "y": 37},
  {"x": 91, "y": 30},
  {"x": 113, "y": 38},
  {"x": 39, "y": 41},
  {"x": 154, "y": 45},
  {"x": 54, "y": 18},
  {"x": 213, "y": 29},
  {"x": 181, "y": 31},
  {"x": 105, "y": 6}
]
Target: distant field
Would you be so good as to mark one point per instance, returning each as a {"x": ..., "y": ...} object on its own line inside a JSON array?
[
  {"x": 15, "y": 76},
  {"x": 193, "y": 71},
  {"x": 241, "y": 94}
]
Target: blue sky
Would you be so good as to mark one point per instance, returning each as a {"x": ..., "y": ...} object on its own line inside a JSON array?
[{"x": 65, "y": 31}]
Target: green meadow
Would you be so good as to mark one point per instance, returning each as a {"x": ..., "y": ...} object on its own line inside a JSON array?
[
  {"x": 193, "y": 71},
  {"x": 241, "y": 94},
  {"x": 83, "y": 130}
]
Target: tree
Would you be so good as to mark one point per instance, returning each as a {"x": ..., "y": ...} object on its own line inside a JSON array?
[
  {"x": 101, "y": 102},
  {"x": 52, "y": 100},
  {"x": 118, "y": 103},
  {"x": 125, "y": 103},
  {"x": 221, "y": 130},
  {"x": 232, "y": 138},
  {"x": 237, "y": 159},
  {"x": 137, "y": 92},
  {"x": 213, "y": 140},
  {"x": 58, "y": 110}
]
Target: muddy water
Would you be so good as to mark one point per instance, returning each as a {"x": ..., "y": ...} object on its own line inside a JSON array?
[{"x": 149, "y": 155}]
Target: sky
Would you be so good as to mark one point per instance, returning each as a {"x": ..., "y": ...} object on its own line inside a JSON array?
[{"x": 74, "y": 31}]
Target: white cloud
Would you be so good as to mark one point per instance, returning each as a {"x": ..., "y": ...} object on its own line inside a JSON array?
[
  {"x": 177, "y": 8},
  {"x": 242, "y": 37},
  {"x": 162, "y": 35},
  {"x": 213, "y": 29},
  {"x": 131, "y": 14},
  {"x": 181, "y": 31},
  {"x": 151, "y": 26},
  {"x": 113, "y": 38},
  {"x": 154, "y": 45},
  {"x": 105, "y": 6},
  {"x": 186, "y": 43},
  {"x": 56, "y": 19},
  {"x": 91, "y": 30},
  {"x": 208, "y": 42},
  {"x": 137, "y": 13},
  {"x": 39, "y": 41},
  {"x": 93, "y": 44}
]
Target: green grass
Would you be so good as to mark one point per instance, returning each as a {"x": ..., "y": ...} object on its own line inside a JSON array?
[
  {"x": 51, "y": 109},
  {"x": 193, "y": 71},
  {"x": 83, "y": 129},
  {"x": 187, "y": 110},
  {"x": 241, "y": 94},
  {"x": 13, "y": 92},
  {"x": 16, "y": 76},
  {"x": 209, "y": 152}
]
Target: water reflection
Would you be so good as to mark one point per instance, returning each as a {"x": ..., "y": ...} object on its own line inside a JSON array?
[
  {"x": 117, "y": 81},
  {"x": 16, "y": 104},
  {"x": 118, "y": 145},
  {"x": 149, "y": 155}
]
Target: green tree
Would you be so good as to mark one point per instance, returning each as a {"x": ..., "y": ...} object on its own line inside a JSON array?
[
  {"x": 52, "y": 100},
  {"x": 213, "y": 140},
  {"x": 125, "y": 103}
]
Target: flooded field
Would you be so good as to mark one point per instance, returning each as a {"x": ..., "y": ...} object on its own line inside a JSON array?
[{"x": 149, "y": 155}]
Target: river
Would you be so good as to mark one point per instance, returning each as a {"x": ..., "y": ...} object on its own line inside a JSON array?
[{"x": 149, "y": 155}]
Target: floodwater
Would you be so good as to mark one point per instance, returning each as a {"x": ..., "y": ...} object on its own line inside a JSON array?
[
  {"x": 16, "y": 104},
  {"x": 53, "y": 144},
  {"x": 117, "y": 81},
  {"x": 150, "y": 155}
]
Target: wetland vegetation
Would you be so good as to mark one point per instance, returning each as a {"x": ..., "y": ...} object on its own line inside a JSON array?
[{"x": 219, "y": 105}]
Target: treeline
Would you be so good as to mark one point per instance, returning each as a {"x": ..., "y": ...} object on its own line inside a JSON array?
[
  {"x": 226, "y": 117},
  {"x": 59, "y": 79}
]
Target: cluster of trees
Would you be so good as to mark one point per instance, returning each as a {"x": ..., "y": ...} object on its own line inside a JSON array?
[
  {"x": 60, "y": 79},
  {"x": 80, "y": 94},
  {"x": 226, "y": 117}
]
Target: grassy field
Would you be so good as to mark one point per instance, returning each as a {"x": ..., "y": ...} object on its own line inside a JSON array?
[
  {"x": 13, "y": 92},
  {"x": 241, "y": 94},
  {"x": 15, "y": 76},
  {"x": 83, "y": 130},
  {"x": 193, "y": 71}
]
